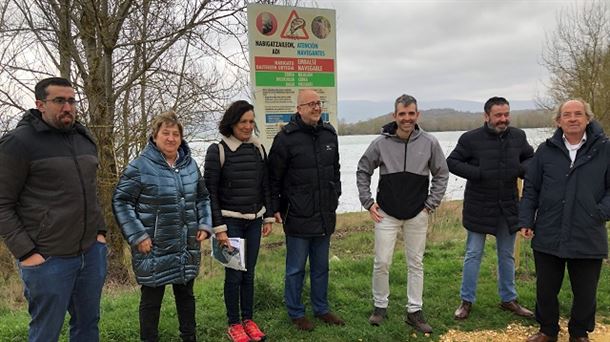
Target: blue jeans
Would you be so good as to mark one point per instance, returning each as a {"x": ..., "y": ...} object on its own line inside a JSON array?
[
  {"x": 297, "y": 252},
  {"x": 475, "y": 247},
  {"x": 66, "y": 283},
  {"x": 239, "y": 285}
]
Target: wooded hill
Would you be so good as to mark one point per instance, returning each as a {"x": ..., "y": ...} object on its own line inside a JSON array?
[{"x": 437, "y": 120}]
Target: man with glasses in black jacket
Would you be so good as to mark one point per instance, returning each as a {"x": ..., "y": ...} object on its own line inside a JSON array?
[
  {"x": 305, "y": 186},
  {"x": 50, "y": 217}
]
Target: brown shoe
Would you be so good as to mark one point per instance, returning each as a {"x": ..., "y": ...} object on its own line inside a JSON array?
[
  {"x": 463, "y": 311},
  {"x": 378, "y": 315},
  {"x": 331, "y": 318},
  {"x": 418, "y": 321},
  {"x": 541, "y": 337},
  {"x": 579, "y": 339},
  {"x": 517, "y": 309},
  {"x": 302, "y": 323}
]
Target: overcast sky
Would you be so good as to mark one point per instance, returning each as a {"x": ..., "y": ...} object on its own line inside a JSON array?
[{"x": 437, "y": 50}]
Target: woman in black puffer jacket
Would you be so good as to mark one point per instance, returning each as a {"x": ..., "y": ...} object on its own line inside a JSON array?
[
  {"x": 236, "y": 177},
  {"x": 163, "y": 209}
]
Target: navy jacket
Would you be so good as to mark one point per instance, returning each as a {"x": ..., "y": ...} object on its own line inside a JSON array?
[
  {"x": 567, "y": 207},
  {"x": 491, "y": 162},
  {"x": 169, "y": 205},
  {"x": 305, "y": 178}
]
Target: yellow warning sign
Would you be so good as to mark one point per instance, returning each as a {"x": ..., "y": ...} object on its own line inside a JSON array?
[{"x": 295, "y": 27}]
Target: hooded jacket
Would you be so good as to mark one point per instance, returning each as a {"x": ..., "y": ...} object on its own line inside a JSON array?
[
  {"x": 168, "y": 205},
  {"x": 305, "y": 178},
  {"x": 568, "y": 206},
  {"x": 405, "y": 167},
  {"x": 48, "y": 197},
  {"x": 491, "y": 162}
]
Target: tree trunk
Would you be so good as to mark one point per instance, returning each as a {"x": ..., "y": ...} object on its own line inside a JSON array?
[
  {"x": 64, "y": 37},
  {"x": 98, "y": 87}
]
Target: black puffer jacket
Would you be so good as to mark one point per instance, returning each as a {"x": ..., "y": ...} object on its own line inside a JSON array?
[
  {"x": 305, "y": 178},
  {"x": 48, "y": 192},
  {"x": 567, "y": 207},
  {"x": 240, "y": 187},
  {"x": 491, "y": 163}
]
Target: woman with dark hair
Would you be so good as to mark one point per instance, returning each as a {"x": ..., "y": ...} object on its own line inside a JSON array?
[
  {"x": 236, "y": 177},
  {"x": 163, "y": 209}
]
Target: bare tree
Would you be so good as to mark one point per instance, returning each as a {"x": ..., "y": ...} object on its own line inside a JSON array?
[
  {"x": 128, "y": 60},
  {"x": 578, "y": 57}
]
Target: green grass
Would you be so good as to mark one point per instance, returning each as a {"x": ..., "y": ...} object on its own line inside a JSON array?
[{"x": 349, "y": 292}]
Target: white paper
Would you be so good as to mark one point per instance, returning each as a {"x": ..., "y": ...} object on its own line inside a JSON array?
[{"x": 234, "y": 258}]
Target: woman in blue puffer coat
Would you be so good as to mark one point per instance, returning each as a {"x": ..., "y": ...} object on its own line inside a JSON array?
[{"x": 163, "y": 209}]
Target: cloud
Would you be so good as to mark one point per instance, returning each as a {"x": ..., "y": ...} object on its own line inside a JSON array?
[{"x": 436, "y": 50}]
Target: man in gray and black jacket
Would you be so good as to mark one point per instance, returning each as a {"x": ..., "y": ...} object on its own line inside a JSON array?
[{"x": 406, "y": 157}]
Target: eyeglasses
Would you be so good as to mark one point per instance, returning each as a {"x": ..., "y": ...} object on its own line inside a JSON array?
[
  {"x": 313, "y": 104},
  {"x": 62, "y": 101}
]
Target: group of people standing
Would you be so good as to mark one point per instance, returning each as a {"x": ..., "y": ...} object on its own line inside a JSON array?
[
  {"x": 166, "y": 207},
  {"x": 564, "y": 208}
]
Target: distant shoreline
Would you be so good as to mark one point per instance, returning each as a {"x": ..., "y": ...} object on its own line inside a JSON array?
[{"x": 447, "y": 120}]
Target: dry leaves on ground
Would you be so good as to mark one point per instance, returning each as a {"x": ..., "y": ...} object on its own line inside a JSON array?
[{"x": 517, "y": 332}]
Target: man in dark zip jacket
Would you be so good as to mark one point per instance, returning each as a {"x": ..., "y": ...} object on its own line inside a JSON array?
[
  {"x": 565, "y": 206},
  {"x": 406, "y": 157},
  {"x": 50, "y": 218},
  {"x": 491, "y": 158},
  {"x": 305, "y": 187}
]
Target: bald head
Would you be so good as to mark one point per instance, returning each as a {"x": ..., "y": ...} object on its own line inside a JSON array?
[
  {"x": 309, "y": 106},
  {"x": 306, "y": 96}
]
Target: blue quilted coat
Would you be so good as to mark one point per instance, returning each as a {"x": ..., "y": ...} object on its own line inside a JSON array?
[{"x": 169, "y": 205}]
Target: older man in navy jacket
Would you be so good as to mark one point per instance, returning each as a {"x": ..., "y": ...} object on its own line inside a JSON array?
[{"x": 565, "y": 206}]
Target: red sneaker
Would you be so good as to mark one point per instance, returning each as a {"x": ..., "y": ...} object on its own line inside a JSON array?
[
  {"x": 253, "y": 331},
  {"x": 237, "y": 333}
]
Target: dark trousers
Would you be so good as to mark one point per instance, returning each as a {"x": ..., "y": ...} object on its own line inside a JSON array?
[
  {"x": 239, "y": 285},
  {"x": 584, "y": 276},
  {"x": 150, "y": 308}
]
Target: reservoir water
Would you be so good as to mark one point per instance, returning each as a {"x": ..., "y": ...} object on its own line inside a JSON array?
[{"x": 352, "y": 147}]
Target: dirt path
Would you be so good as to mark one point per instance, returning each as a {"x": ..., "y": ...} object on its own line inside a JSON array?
[{"x": 516, "y": 333}]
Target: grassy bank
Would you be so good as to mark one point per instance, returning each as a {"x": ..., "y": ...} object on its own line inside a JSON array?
[{"x": 349, "y": 291}]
